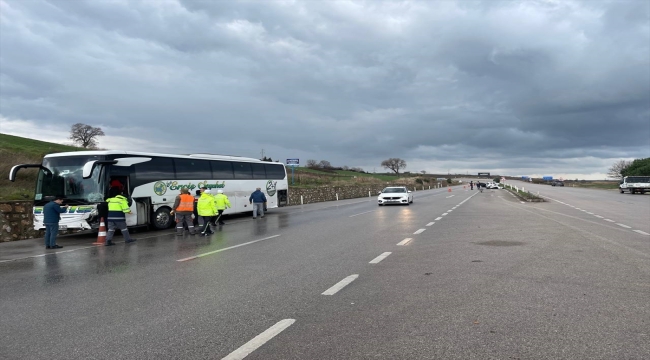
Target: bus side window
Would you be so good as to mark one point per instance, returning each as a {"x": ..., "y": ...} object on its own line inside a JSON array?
[
  {"x": 222, "y": 170},
  {"x": 192, "y": 169},
  {"x": 275, "y": 171},
  {"x": 243, "y": 171},
  {"x": 259, "y": 171}
]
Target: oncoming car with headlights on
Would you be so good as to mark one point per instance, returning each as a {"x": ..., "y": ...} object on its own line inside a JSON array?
[{"x": 395, "y": 195}]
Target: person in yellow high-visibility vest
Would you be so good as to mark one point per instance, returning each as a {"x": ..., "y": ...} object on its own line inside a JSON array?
[
  {"x": 206, "y": 208},
  {"x": 222, "y": 203},
  {"x": 118, "y": 207}
]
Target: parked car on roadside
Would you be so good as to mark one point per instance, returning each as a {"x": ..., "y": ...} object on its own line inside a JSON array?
[
  {"x": 557, "y": 183},
  {"x": 395, "y": 195},
  {"x": 492, "y": 185}
]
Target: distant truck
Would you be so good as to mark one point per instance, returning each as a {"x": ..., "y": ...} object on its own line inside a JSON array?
[{"x": 635, "y": 184}]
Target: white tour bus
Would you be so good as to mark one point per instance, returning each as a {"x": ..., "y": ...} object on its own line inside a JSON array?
[{"x": 151, "y": 181}]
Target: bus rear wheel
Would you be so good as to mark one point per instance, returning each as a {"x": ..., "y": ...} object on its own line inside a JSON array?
[{"x": 162, "y": 219}]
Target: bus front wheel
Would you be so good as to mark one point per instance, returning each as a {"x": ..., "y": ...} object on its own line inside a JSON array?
[{"x": 162, "y": 219}]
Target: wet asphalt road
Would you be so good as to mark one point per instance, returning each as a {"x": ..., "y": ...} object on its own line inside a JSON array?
[{"x": 493, "y": 278}]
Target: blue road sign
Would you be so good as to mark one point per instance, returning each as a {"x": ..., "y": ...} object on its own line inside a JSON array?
[{"x": 293, "y": 162}]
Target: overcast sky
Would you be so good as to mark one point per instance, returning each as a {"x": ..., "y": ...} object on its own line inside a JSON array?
[{"x": 535, "y": 87}]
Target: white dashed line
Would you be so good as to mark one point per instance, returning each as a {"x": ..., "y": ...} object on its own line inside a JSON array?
[
  {"x": 340, "y": 285},
  {"x": 431, "y": 223},
  {"x": 420, "y": 231},
  {"x": 362, "y": 213},
  {"x": 598, "y": 216},
  {"x": 445, "y": 214},
  {"x": 641, "y": 232},
  {"x": 624, "y": 226},
  {"x": 590, "y": 213},
  {"x": 259, "y": 340},
  {"x": 450, "y": 211},
  {"x": 379, "y": 258},
  {"x": 438, "y": 218},
  {"x": 609, "y": 220},
  {"x": 404, "y": 242},
  {"x": 224, "y": 249}
]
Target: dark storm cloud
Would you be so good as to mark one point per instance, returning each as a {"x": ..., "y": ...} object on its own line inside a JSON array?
[{"x": 522, "y": 86}]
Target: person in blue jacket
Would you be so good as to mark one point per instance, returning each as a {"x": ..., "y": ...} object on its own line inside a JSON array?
[
  {"x": 51, "y": 216},
  {"x": 258, "y": 200}
]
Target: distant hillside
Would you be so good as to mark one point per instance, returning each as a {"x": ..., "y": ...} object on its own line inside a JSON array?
[
  {"x": 30, "y": 147},
  {"x": 16, "y": 150}
]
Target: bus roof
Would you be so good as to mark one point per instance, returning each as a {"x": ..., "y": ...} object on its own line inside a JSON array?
[{"x": 136, "y": 153}]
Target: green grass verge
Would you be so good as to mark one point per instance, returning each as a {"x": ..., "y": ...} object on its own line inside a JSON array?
[{"x": 16, "y": 150}]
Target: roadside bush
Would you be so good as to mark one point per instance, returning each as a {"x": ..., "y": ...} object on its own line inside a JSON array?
[{"x": 449, "y": 181}]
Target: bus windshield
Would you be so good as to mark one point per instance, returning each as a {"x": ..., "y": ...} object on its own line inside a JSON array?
[{"x": 64, "y": 177}]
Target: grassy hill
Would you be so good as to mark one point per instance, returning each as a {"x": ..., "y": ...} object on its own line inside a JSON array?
[{"x": 16, "y": 150}]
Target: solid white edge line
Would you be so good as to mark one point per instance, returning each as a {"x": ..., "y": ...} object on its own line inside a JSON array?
[
  {"x": 419, "y": 231},
  {"x": 404, "y": 242},
  {"x": 624, "y": 226},
  {"x": 340, "y": 285},
  {"x": 438, "y": 218},
  {"x": 52, "y": 253},
  {"x": 431, "y": 223},
  {"x": 224, "y": 249},
  {"x": 259, "y": 340},
  {"x": 641, "y": 232},
  {"x": 379, "y": 258}
]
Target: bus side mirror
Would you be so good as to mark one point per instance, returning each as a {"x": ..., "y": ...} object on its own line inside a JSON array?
[
  {"x": 90, "y": 166},
  {"x": 14, "y": 170}
]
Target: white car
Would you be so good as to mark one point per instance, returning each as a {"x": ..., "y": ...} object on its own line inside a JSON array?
[
  {"x": 492, "y": 185},
  {"x": 395, "y": 195}
]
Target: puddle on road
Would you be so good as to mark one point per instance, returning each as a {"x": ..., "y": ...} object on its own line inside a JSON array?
[{"x": 500, "y": 243}]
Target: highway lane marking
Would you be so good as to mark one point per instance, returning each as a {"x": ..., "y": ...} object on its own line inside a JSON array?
[
  {"x": 52, "y": 253},
  {"x": 340, "y": 285},
  {"x": 419, "y": 231},
  {"x": 598, "y": 216},
  {"x": 365, "y": 212},
  {"x": 438, "y": 218},
  {"x": 224, "y": 249},
  {"x": 523, "y": 202},
  {"x": 641, "y": 232},
  {"x": 259, "y": 340},
  {"x": 590, "y": 213},
  {"x": 404, "y": 242},
  {"x": 623, "y": 226},
  {"x": 450, "y": 196},
  {"x": 379, "y": 258},
  {"x": 431, "y": 223},
  {"x": 450, "y": 211},
  {"x": 444, "y": 214},
  {"x": 609, "y": 220}
]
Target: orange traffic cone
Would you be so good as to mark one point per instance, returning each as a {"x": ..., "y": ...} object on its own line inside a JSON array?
[
  {"x": 101, "y": 235},
  {"x": 448, "y": 188}
]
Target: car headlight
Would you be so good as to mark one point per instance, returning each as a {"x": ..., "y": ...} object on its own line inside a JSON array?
[{"x": 94, "y": 212}]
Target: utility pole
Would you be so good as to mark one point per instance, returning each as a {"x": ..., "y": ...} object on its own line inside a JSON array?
[{"x": 262, "y": 154}]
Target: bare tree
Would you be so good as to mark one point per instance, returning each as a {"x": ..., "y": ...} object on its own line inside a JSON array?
[
  {"x": 85, "y": 135},
  {"x": 311, "y": 163},
  {"x": 325, "y": 164},
  {"x": 423, "y": 172},
  {"x": 394, "y": 164},
  {"x": 616, "y": 171}
]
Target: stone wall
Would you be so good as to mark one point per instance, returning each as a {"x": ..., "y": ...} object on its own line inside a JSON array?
[
  {"x": 16, "y": 217},
  {"x": 16, "y": 221}
]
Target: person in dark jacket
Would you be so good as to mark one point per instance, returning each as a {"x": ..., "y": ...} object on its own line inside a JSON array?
[
  {"x": 51, "y": 216},
  {"x": 258, "y": 199}
]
